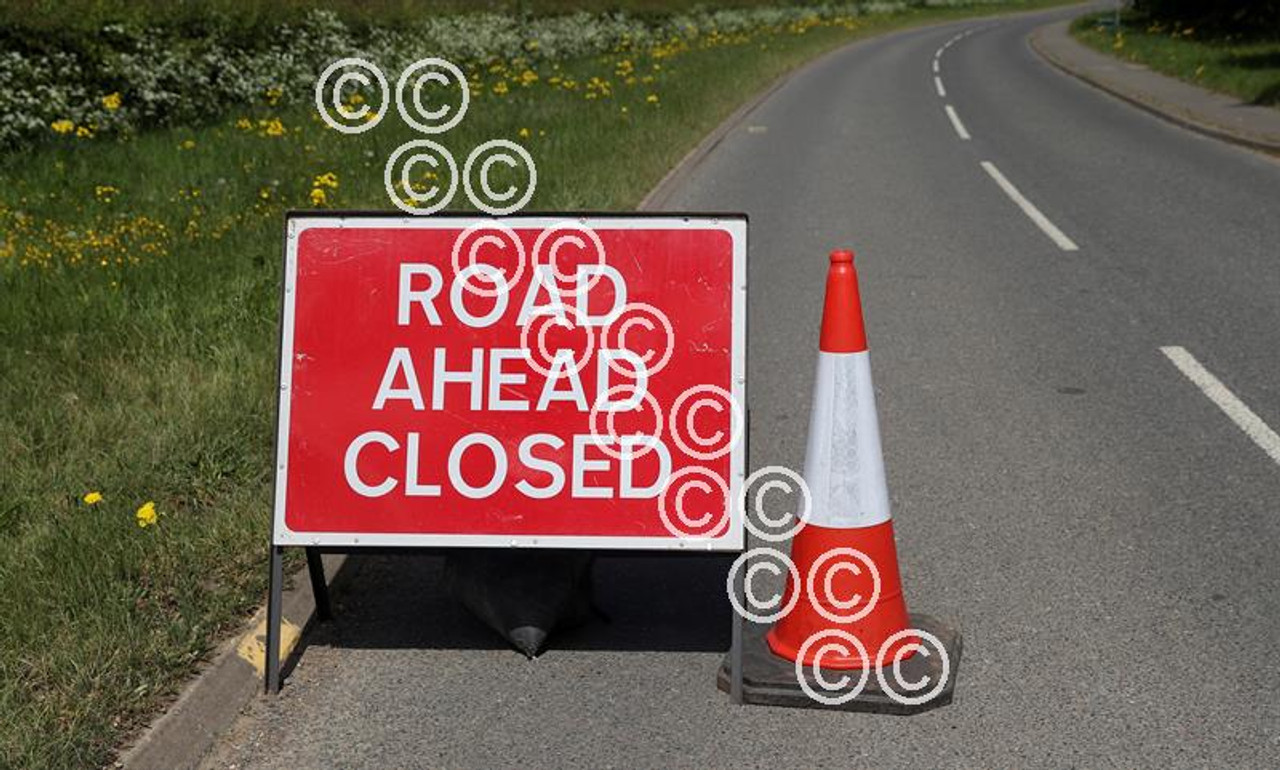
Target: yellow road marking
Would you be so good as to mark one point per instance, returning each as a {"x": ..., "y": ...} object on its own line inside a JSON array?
[{"x": 253, "y": 647}]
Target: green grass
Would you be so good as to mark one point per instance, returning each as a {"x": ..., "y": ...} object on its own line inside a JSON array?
[
  {"x": 137, "y": 359},
  {"x": 1248, "y": 68}
]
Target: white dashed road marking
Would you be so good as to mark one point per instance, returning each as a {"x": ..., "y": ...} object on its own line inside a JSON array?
[
  {"x": 1234, "y": 408},
  {"x": 1028, "y": 208},
  {"x": 955, "y": 121}
]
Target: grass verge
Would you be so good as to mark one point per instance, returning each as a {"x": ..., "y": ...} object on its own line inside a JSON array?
[
  {"x": 1248, "y": 68},
  {"x": 137, "y": 349}
]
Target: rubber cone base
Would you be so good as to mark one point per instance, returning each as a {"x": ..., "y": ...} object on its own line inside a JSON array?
[{"x": 770, "y": 680}]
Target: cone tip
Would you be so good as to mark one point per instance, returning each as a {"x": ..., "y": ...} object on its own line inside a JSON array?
[{"x": 842, "y": 330}]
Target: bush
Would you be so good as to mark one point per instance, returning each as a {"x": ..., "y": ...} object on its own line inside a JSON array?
[
  {"x": 1250, "y": 18},
  {"x": 126, "y": 78}
]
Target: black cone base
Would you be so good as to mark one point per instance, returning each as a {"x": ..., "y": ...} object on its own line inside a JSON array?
[
  {"x": 524, "y": 595},
  {"x": 528, "y": 639},
  {"x": 769, "y": 680}
]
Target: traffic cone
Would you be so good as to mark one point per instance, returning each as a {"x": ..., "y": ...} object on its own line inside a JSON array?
[
  {"x": 844, "y": 552},
  {"x": 845, "y": 583}
]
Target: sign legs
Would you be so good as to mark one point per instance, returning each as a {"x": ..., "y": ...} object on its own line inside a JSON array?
[
  {"x": 319, "y": 590},
  {"x": 319, "y": 586},
  {"x": 735, "y": 645},
  {"x": 274, "y": 600}
]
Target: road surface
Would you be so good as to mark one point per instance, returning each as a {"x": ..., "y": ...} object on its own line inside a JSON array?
[{"x": 1088, "y": 507}]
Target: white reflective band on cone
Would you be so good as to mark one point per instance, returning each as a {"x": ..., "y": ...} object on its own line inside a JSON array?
[{"x": 844, "y": 467}]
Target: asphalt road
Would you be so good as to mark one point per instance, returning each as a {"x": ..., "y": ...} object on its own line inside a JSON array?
[{"x": 1103, "y": 532}]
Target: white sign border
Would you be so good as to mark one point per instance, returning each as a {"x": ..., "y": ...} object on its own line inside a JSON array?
[{"x": 733, "y": 539}]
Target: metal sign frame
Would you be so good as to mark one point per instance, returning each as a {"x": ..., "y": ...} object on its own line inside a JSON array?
[{"x": 317, "y": 543}]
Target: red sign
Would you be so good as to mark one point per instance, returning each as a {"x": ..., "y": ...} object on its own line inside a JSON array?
[{"x": 525, "y": 381}]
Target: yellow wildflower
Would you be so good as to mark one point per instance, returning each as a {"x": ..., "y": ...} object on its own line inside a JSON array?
[
  {"x": 63, "y": 126},
  {"x": 84, "y": 132},
  {"x": 524, "y": 133},
  {"x": 318, "y": 197},
  {"x": 244, "y": 124},
  {"x": 146, "y": 516},
  {"x": 651, "y": 98},
  {"x": 272, "y": 127},
  {"x": 329, "y": 180},
  {"x": 265, "y": 193},
  {"x": 112, "y": 101},
  {"x": 273, "y": 95},
  {"x": 187, "y": 144},
  {"x": 105, "y": 192},
  {"x": 92, "y": 498},
  {"x": 500, "y": 88}
]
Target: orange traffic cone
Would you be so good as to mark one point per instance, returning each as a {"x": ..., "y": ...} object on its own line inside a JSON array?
[
  {"x": 842, "y": 607},
  {"x": 845, "y": 550}
]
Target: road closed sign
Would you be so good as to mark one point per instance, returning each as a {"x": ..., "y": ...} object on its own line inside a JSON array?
[{"x": 532, "y": 381}]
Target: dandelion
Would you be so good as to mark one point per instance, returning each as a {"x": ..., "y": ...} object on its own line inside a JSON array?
[
  {"x": 265, "y": 193},
  {"x": 63, "y": 126},
  {"x": 524, "y": 133},
  {"x": 500, "y": 88},
  {"x": 244, "y": 124},
  {"x": 146, "y": 516},
  {"x": 272, "y": 127},
  {"x": 92, "y": 498},
  {"x": 651, "y": 98},
  {"x": 320, "y": 183},
  {"x": 84, "y": 132},
  {"x": 318, "y": 197},
  {"x": 112, "y": 101},
  {"x": 187, "y": 144}
]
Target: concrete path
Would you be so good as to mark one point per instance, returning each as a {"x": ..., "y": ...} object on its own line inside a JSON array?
[{"x": 1218, "y": 115}]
